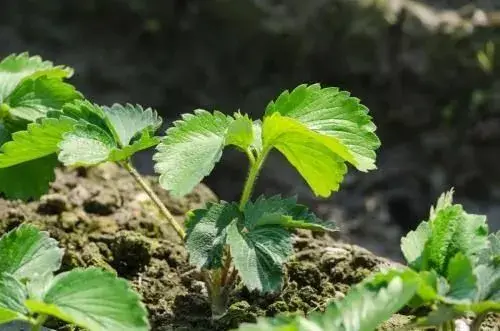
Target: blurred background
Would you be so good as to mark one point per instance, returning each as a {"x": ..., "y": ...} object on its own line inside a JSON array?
[{"x": 427, "y": 69}]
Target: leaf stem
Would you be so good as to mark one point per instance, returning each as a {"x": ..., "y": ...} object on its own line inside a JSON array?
[
  {"x": 163, "y": 210},
  {"x": 38, "y": 322},
  {"x": 255, "y": 166},
  {"x": 476, "y": 324}
]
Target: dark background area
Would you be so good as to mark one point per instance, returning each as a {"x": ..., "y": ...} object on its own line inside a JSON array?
[{"x": 425, "y": 69}]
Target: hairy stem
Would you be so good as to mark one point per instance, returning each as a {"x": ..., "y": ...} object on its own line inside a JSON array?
[
  {"x": 447, "y": 326},
  {"x": 163, "y": 210},
  {"x": 38, "y": 322},
  {"x": 255, "y": 167},
  {"x": 476, "y": 324}
]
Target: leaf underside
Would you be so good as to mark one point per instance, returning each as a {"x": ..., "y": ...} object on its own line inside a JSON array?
[{"x": 12, "y": 296}]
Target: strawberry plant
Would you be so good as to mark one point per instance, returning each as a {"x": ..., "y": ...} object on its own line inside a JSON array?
[
  {"x": 90, "y": 298},
  {"x": 319, "y": 130}
]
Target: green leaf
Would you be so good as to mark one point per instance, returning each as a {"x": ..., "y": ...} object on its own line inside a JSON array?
[
  {"x": 240, "y": 132},
  {"x": 33, "y": 98},
  {"x": 206, "y": 233},
  {"x": 102, "y": 131},
  {"x": 413, "y": 245},
  {"x": 27, "y": 252},
  {"x": 314, "y": 155},
  {"x": 488, "y": 283},
  {"x": 93, "y": 299},
  {"x": 144, "y": 142},
  {"x": 190, "y": 150},
  {"x": 283, "y": 212},
  {"x": 372, "y": 302},
  {"x": 12, "y": 296},
  {"x": 15, "y": 68},
  {"x": 259, "y": 255},
  {"x": 128, "y": 121},
  {"x": 39, "y": 140},
  {"x": 364, "y": 307},
  {"x": 257, "y": 136},
  {"x": 28, "y": 180},
  {"x": 461, "y": 278},
  {"x": 86, "y": 145},
  {"x": 331, "y": 112}
]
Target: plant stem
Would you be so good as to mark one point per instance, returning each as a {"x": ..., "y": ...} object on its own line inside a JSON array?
[
  {"x": 447, "y": 326},
  {"x": 476, "y": 324},
  {"x": 255, "y": 167},
  {"x": 38, "y": 323},
  {"x": 163, "y": 210}
]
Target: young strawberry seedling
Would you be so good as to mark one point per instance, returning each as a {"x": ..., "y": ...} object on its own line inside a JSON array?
[
  {"x": 90, "y": 298},
  {"x": 317, "y": 129},
  {"x": 459, "y": 264}
]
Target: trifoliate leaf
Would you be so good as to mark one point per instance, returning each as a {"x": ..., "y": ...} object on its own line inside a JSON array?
[
  {"x": 39, "y": 140},
  {"x": 12, "y": 296},
  {"x": 317, "y": 157},
  {"x": 283, "y": 212},
  {"x": 331, "y": 112},
  {"x": 206, "y": 233},
  {"x": 190, "y": 150},
  {"x": 460, "y": 276},
  {"x": 96, "y": 139},
  {"x": 240, "y": 132},
  {"x": 33, "y": 98},
  {"x": 93, "y": 299},
  {"x": 86, "y": 145},
  {"x": 259, "y": 255},
  {"x": 15, "y": 68},
  {"x": 127, "y": 121},
  {"x": 28, "y": 180},
  {"x": 413, "y": 245},
  {"x": 27, "y": 252}
]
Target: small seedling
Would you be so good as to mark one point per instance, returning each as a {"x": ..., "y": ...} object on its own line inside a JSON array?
[
  {"x": 317, "y": 129},
  {"x": 458, "y": 262},
  {"x": 91, "y": 298}
]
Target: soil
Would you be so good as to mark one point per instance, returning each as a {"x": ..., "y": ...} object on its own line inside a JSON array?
[{"x": 102, "y": 218}]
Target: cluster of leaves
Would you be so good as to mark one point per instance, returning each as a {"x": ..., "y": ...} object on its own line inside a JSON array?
[
  {"x": 43, "y": 120},
  {"x": 317, "y": 129},
  {"x": 90, "y": 298},
  {"x": 453, "y": 272},
  {"x": 459, "y": 263}
]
